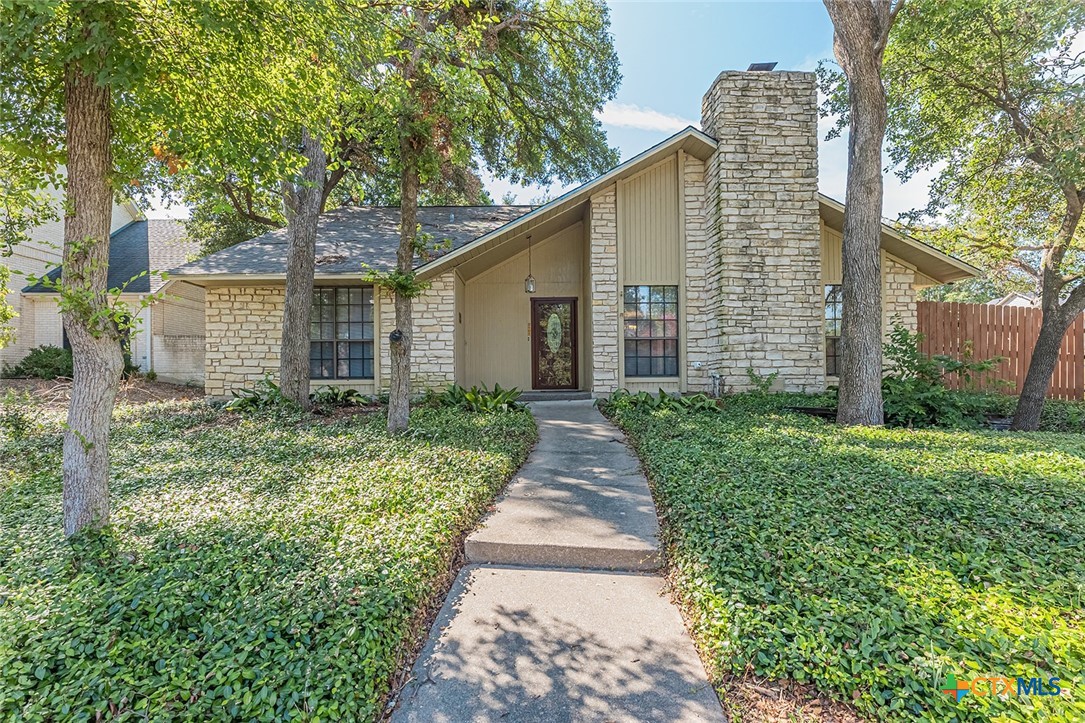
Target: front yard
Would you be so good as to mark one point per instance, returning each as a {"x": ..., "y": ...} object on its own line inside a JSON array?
[
  {"x": 874, "y": 563},
  {"x": 258, "y": 568}
]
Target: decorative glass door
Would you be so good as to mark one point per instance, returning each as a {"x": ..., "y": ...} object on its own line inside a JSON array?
[{"x": 553, "y": 344}]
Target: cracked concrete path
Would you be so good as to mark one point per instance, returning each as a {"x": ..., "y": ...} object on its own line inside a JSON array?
[{"x": 556, "y": 618}]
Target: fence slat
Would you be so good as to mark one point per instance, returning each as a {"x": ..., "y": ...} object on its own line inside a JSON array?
[{"x": 1003, "y": 331}]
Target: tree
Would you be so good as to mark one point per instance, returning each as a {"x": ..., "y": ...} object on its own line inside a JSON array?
[
  {"x": 992, "y": 93},
  {"x": 515, "y": 84},
  {"x": 860, "y": 32},
  {"x": 106, "y": 89}
]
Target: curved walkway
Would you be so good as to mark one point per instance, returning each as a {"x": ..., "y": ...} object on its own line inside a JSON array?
[{"x": 557, "y": 616}]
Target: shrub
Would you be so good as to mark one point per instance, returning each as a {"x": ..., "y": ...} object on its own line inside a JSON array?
[
  {"x": 43, "y": 362},
  {"x": 330, "y": 396},
  {"x": 914, "y": 391},
  {"x": 623, "y": 399},
  {"x": 480, "y": 399},
  {"x": 265, "y": 396}
]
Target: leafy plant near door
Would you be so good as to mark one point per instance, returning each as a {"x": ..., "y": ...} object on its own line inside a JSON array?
[{"x": 481, "y": 399}]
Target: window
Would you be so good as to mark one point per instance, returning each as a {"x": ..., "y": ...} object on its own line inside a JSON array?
[
  {"x": 834, "y": 306},
  {"x": 651, "y": 331},
  {"x": 341, "y": 333}
]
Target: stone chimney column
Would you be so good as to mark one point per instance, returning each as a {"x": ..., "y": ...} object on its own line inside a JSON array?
[{"x": 765, "y": 246}]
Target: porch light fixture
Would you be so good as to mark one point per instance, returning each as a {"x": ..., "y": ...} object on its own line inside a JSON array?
[{"x": 529, "y": 282}]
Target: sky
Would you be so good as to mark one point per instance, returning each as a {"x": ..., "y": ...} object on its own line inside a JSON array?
[{"x": 670, "y": 53}]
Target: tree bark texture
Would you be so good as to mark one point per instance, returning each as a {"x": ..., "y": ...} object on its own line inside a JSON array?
[
  {"x": 303, "y": 202},
  {"x": 94, "y": 338},
  {"x": 1045, "y": 355},
  {"x": 861, "y": 28},
  {"x": 399, "y": 344}
]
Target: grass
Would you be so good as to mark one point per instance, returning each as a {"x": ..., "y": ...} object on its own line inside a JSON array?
[
  {"x": 873, "y": 563},
  {"x": 259, "y": 568}
]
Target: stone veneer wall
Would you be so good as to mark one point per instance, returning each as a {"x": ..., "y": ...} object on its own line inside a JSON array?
[
  {"x": 763, "y": 214},
  {"x": 433, "y": 348},
  {"x": 603, "y": 267},
  {"x": 244, "y": 330},
  {"x": 701, "y": 341},
  {"x": 898, "y": 295}
]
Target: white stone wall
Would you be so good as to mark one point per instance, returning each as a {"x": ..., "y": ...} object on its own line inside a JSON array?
[
  {"x": 700, "y": 331},
  {"x": 433, "y": 347},
  {"x": 244, "y": 327},
  {"x": 898, "y": 295},
  {"x": 762, "y": 205},
  {"x": 603, "y": 267}
]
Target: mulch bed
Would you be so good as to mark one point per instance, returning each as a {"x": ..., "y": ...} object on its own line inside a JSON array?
[{"x": 57, "y": 393}]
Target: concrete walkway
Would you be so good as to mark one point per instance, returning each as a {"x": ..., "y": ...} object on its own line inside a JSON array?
[{"x": 556, "y": 617}]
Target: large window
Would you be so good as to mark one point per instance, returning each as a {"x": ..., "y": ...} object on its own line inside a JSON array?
[
  {"x": 834, "y": 306},
  {"x": 341, "y": 333},
  {"x": 651, "y": 331}
]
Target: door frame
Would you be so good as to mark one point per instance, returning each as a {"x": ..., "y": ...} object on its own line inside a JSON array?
[{"x": 536, "y": 339}]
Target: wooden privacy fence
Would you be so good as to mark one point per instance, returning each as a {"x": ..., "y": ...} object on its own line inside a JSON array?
[{"x": 1005, "y": 331}]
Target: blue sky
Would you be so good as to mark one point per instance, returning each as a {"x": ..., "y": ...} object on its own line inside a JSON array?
[{"x": 672, "y": 51}]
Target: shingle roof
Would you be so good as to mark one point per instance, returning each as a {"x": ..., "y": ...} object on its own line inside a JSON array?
[
  {"x": 351, "y": 236},
  {"x": 138, "y": 250}
]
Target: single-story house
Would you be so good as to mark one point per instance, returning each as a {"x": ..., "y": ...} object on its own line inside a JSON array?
[
  {"x": 705, "y": 256},
  {"x": 169, "y": 334}
]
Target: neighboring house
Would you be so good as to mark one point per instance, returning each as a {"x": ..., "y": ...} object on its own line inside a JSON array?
[
  {"x": 169, "y": 335},
  {"x": 33, "y": 258},
  {"x": 1015, "y": 298},
  {"x": 706, "y": 255}
]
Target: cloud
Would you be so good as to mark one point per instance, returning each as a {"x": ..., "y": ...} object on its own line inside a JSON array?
[{"x": 626, "y": 115}]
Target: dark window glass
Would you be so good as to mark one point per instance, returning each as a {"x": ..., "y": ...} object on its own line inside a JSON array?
[
  {"x": 341, "y": 333},
  {"x": 650, "y": 321},
  {"x": 834, "y": 306}
]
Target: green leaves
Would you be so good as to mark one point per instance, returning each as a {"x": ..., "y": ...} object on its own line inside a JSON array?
[
  {"x": 258, "y": 568},
  {"x": 873, "y": 562}
]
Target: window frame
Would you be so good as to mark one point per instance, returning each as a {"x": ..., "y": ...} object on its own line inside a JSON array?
[
  {"x": 316, "y": 334},
  {"x": 671, "y": 296},
  {"x": 833, "y": 313}
]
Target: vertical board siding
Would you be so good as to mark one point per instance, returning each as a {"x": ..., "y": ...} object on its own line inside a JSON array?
[
  {"x": 831, "y": 255},
  {"x": 648, "y": 226},
  {"x": 984, "y": 331}
]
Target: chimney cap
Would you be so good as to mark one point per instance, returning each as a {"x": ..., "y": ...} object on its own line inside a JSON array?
[{"x": 761, "y": 67}]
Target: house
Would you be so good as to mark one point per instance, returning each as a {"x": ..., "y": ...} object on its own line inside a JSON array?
[
  {"x": 1015, "y": 298},
  {"x": 168, "y": 336},
  {"x": 706, "y": 255}
]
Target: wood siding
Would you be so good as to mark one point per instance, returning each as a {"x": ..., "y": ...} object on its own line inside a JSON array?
[
  {"x": 497, "y": 312},
  {"x": 648, "y": 226},
  {"x": 831, "y": 255}
]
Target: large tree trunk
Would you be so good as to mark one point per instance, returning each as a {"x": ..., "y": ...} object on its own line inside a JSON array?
[
  {"x": 94, "y": 337},
  {"x": 303, "y": 205},
  {"x": 399, "y": 392},
  {"x": 861, "y": 30},
  {"x": 1045, "y": 355}
]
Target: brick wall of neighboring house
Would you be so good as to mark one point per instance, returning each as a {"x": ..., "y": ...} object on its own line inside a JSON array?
[
  {"x": 433, "y": 354},
  {"x": 603, "y": 267},
  {"x": 177, "y": 335},
  {"x": 762, "y": 206}
]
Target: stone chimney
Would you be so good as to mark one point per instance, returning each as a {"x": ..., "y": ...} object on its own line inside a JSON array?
[{"x": 762, "y": 205}]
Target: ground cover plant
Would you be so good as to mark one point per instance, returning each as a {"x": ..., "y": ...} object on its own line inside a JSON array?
[
  {"x": 874, "y": 562},
  {"x": 259, "y": 567}
]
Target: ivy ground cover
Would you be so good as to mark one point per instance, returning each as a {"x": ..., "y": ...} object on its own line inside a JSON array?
[
  {"x": 875, "y": 563},
  {"x": 261, "y": 568}
]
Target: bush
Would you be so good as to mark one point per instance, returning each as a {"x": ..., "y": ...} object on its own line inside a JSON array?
[
  {"x": 874, "y": 562},
  {"x": 914, "y": 391},
  {"x": 329, "y": 396},
  {"x": 265, "y": 396},
  {"x": 254, "y": 569},
  {"x": 623, "y": 399},
  {"x": 480, "y": 399},
  {"x": 43, "y": 362}
]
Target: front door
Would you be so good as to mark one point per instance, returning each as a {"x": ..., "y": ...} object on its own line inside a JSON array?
[{"x": 553, "y": 344}]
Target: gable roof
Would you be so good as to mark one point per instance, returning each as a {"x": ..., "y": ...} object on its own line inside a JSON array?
[
  {"x": 349, "y": 237},
  {"x": 136, "y": 252}
]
